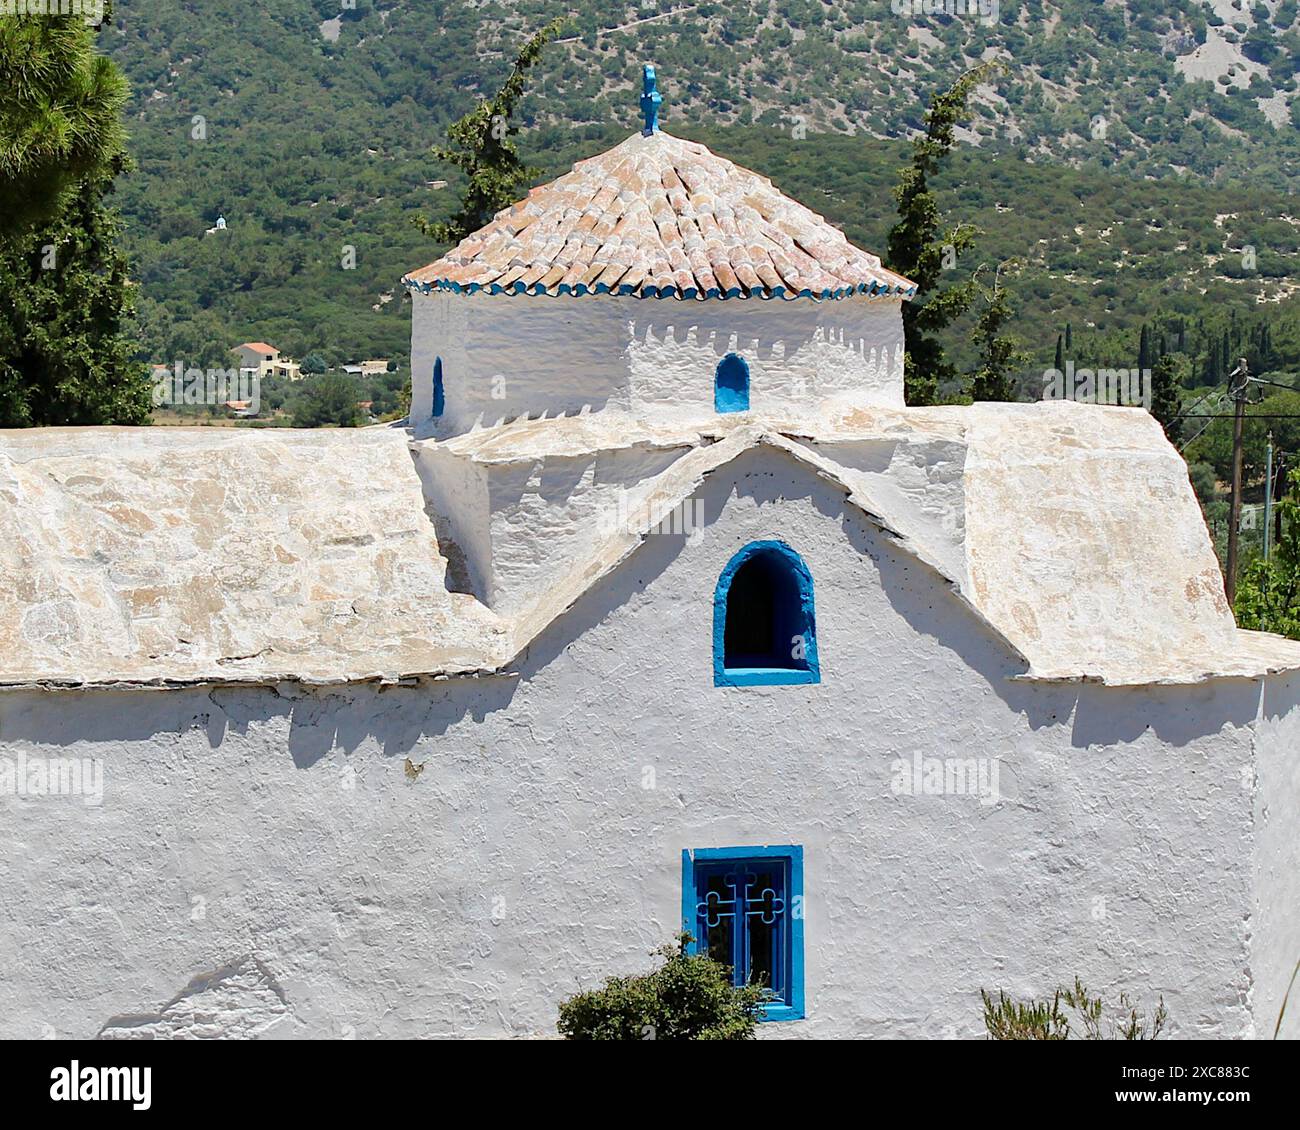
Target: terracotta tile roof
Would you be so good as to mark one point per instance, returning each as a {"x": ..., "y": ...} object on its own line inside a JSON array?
[
  {"x": 257, "y": 346},
  {"x": 659, "y": 217}
]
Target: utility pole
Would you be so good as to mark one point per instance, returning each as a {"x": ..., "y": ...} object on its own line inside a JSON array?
[
  {"x": 1268, "y": 498},
  {"x": 1241, "y": 376},
  {"x": 1279, "y": 491}
]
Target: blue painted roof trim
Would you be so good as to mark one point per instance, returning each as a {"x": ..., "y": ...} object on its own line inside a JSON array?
[{"x": 872, "y": 289}]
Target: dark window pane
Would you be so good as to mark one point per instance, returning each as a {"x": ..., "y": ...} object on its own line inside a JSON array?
[
  {"x": 762, "y": 955},
  {"x": 750, "y": 603},
  {"x": 716, "y": 914},
  {"x": 766, "y": 911},
  {"x": 764, "y": 615}
]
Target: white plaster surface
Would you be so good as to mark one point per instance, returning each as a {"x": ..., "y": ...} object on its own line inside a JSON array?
[
  {"x": 331, "y": 557},
  {"x": 1275, "y": 936},
  {"x": 440, "y": 717},
  {"x": 279, "y": 835},
  {"x": 506, "y": 356}
]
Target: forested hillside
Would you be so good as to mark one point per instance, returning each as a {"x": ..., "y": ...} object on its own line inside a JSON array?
[{"x": 1126, "y": 193}]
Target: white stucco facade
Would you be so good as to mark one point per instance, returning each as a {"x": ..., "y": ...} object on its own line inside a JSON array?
[
  {"x": 504, "y": 357},
  {"x": 272, "y": 843},
  {"x": 404, "y": 733}
]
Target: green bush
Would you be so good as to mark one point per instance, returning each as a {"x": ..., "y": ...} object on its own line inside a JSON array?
[
  {"x": 327, "y": 400},
  {"x": 1268, "y": 595},
  {"x": 689, "y": 997},
  {"x": 1006, "y": 1019}
]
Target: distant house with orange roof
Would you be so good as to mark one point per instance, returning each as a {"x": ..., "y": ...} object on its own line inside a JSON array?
[{"x": 257, "y": 358}]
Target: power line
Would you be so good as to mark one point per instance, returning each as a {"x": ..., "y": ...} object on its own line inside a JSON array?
[
  {"x": 1262, "y": 381},
  {"x": 1211, "y": 395}
]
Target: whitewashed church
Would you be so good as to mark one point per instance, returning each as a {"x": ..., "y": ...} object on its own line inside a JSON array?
[{"x": 665, "y": 612}]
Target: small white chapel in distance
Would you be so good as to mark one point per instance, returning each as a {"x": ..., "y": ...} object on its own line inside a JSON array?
[{"x": 665, "y": 612}]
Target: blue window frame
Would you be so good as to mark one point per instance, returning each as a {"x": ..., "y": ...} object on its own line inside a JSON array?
[
  {"x": 764, "y": 621},
  {"x": 744, "y": 907},
  {"x": 439, "y": 398},
  {"x": 731, "y": 384}
]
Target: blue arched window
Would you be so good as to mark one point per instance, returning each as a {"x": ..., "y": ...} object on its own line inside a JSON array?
[
  {"x": 731, "y": 384},
  {"x": 439, "y": 399},
  {"x": 764, "y": 626}
]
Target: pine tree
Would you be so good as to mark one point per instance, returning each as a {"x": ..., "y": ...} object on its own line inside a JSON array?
[
  {"x": 65, "y": 353},
  {"x": 918, "y": 249},
  {"x": 484, "y": 149},
  {"x": 60, "y": 115}
]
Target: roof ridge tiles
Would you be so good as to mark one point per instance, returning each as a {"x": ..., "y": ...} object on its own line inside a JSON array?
[{"x": 660, "y": 216}]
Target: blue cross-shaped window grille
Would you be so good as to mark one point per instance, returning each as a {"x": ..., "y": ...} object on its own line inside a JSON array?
[{"x": 740, "y": 911}]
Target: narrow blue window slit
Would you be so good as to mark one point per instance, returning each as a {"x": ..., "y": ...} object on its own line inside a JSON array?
[
  {"x": 731, "y": 385},
  {"x": 744, "y": 908},
  {"x": 764, "y": 622},
  {"x": 439, "y": 398}
]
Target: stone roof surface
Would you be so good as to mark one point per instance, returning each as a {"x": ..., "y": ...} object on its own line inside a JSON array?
[
  {"x": 176, "y": 555},
  {"x": 172, "y": 556},
  {"x": 659, "y": 217}
]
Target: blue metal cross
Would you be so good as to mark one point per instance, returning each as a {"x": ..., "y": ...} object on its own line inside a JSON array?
[{"x": 650, "y": 99}]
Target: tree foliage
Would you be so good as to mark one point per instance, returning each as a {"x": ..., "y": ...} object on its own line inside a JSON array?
[
  {"x": 999, "y": 354},
  {"x": 688, "y": 997},
  {"x": 66, "y": 348},
  {"x": 328, "y": 400},
  {"x": 312, "y": 145},
  {"x": 483, "y": 148},
  {"x": 1268, "y": 592},
  {"x": 921, "y": 250},
  {"x": 60, "y": 115},
  {"x": 1166, "y": 397}
]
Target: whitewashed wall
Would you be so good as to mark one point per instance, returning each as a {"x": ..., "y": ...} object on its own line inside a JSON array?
[
  {"x": 509, "y": 356},
  {"x": 1275, "y": 935},
  {"x": 546, "y": 513},
  {"x": 277, "y": 838},
  {"x": 520, "y": 525}
]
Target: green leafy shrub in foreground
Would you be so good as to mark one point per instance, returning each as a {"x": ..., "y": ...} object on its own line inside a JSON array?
[{"x": 689, "y": 997}]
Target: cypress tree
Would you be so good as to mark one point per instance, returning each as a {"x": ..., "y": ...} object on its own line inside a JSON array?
[
  {"x": 483, "y": 146},
  {"x": 999, "y": 354},
  {"x": 1166, "y": 397},
  {"x": 918, "y": 248}
]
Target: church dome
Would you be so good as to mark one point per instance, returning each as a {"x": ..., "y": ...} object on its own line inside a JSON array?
[
  {"x": 660, "y": 217},
  {"x": 655, "y": 217}
]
